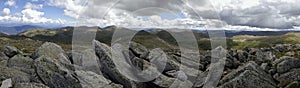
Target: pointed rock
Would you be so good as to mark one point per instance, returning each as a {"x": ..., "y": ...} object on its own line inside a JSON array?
[
  {"x": 51, "y": 50},
  {"x": 6, "y": 83},
  {"x": 289, "y": 77},
  {"x": 248, "y": 76},
  {"x": 11, "y": 51},
  {"x": 108, "y": 67},
  {"x": 55, "y": 74},
  {"x": 15, "y": 75},
  {"x": 284, "y": 64},
  {"x": 90, "y": 79},
  {"x": 138, "y": 50}
]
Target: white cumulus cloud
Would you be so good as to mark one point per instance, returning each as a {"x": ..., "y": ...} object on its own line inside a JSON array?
[
  {"x": 10, "y": 3},
  {"x": 33, "y": 6},
  {"x": 6, "y": 11},
  {"x": 238, "y": 14},
  {"x": 30, "y": 16}
]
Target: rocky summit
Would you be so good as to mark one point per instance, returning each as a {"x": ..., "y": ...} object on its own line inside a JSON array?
[{"x": 115, "y": 66}]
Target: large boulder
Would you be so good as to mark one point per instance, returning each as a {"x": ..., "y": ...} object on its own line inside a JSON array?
[
  {"x": 264, "y": 57},
  {"x": 108, "y": 67},
  {"x": 86, "y": 60},
  {"x": 138, "y": 50},
  {"x": 162, "y": 61},
  {"x": 283, "y": 47},
  {"x": 289, "y": 77},
  {"x": 284, "y": 64},
  {"x": 51, "y": 50},
  {"x": 55, "y": 74},
  {"x": 90, "y": 79},
  {"x": 25, "y": 64},
  {"x": 6, "y": 83},
  {"x": 11, "y": 51},
  {"x": 248, "y": 76},
  {"x": 189, "y": 61},
  {"x": 242, "y": 56},
  {"x": 167, "y": 82},
  {"x": 15, "y": 75},
  {"x": 21, "y": 63}
]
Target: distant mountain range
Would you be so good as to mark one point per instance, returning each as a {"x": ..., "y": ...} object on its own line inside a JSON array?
[
  {"x": 17, "y": 29},
  {"x": 14, "y": 30},
  {"x": 153, "y": 38}
]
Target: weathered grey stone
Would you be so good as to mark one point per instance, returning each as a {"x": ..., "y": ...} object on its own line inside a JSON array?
[
  {"x": 54, "y": 73},
  {"x": 138, "y": 50},
  {"x": 167, "y": 82},
  {"x": 192, "y": 62},
  {"x": 51, "y": 50},
  {"x": 283, "y": 47},
  {"x": 201, "y": 79},
  {"x": 288, "y": 77},
  {"x": 3, "y": 63},
  {"x": 25, "y": 64},
  {"x": 169, "y": 64},
  {"x": 163, "y": 62},
  {"x": 90, "y": 79},
  {"x": 19, "y": 61},
  {"x": 15, "y": 75},
  {"x": 86, "y": 60},
  {"x": 108, "y": 67},
  {"x": 10, "y": 51},
  {"x": 242, "y": 56},
  {"x": 264, "y": 57},
  {"x": 3, "y": 56},
  {"x": 247, "y": 79},
  {"x": 30, "y": 85},
  {"x": 248, "y": 76},
  {"x": 265, "y": 66},
  {"x": 6, "y": 83},
  {"x": 177, "y": 74},
  {"x": 285, "y": 64},
  {"x": 297, "y": 47},
  {"x": 158, "y": 55}
]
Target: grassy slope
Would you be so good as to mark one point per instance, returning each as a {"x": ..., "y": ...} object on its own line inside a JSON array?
[
  {"x": 31, "y": 39},
  {"x": 265, "y": 41}
]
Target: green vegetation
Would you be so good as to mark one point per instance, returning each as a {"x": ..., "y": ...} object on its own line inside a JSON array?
[
  {"x": 31, "y": 39},
  {"x": 36, "y": 32},
  {"x": 265, "y": 41},
  {"x": 26, "y": 45}
]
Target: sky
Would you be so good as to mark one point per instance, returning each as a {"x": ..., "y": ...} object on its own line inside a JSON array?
[{"x": 185, "y": 14}]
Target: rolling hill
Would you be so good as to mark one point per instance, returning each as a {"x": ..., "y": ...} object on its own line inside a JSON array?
[{"x": 17, "y": 29}]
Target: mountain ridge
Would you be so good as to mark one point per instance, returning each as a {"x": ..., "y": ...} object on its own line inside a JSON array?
[{"x": 17, "y": 29}]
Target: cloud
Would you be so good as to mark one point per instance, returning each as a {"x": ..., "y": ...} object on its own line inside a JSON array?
[
  {"x": 10, "y": 3},
  {"x": 30, "y": 13},
  {"x": 34, "y": 0},
  {"x": 6, "y": 11},
  {"x": 278, "y": 14},
  {"x": 72, "y": 8},
  {"x": 30, "y": 16},
  {"x": 272, "y": 14},
  {"x": 33, "y": 6},
  {"x": 125, "y": 12}
]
